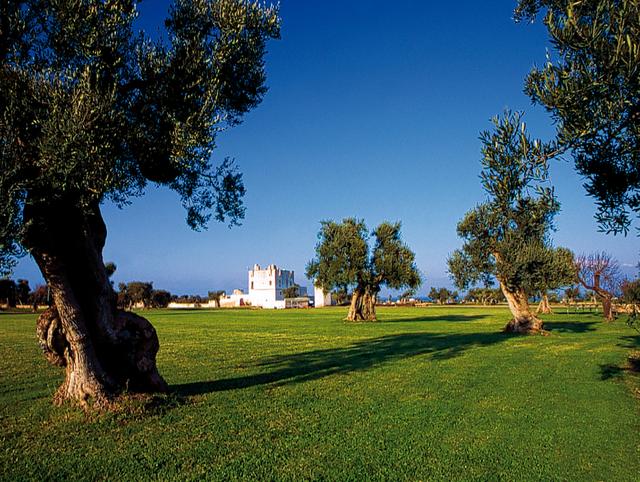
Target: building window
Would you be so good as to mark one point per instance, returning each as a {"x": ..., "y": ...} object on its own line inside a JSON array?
[
  {"x": 252, "y": 285},
  {"x": 269, "y": 282}
]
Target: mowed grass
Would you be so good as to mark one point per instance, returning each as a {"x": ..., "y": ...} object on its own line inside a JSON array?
[{"x": 427, "y": 393}]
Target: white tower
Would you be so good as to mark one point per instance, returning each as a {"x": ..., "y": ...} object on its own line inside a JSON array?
[{"x": 266, "y": 285}]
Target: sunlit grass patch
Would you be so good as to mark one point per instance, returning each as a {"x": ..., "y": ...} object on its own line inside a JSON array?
[{"x": 426, "y": 393}]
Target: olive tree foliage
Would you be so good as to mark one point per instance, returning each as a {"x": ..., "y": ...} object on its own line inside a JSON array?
[
  {"x": 506, "y": 236},
  {"x": 591, "y": 87},
  {"x": 631, "y": 296},
  {"x": 91, "y": 111},
  {"x": 347, "y": 257},
  {"x": 442, "y": 295},
  {"x": 139, "y": 292},
  {"x": 484, "y": 295},
  {"x": 160, "y": 298},
  {"x": 291, "y": 291},
  {"x": 407, "y": 295},
  {"x": 631, "y": 291},
  {"x": 557, "y": 272},
  {"x": 215, "y": 297},
  {"x": 8, "y": 292}
]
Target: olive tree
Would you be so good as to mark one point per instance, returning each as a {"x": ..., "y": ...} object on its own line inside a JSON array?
[
  {"x": 506, "y": 236},
  {"x": 22, "y": 291},
  {"x": 442, "y": 295},
  {"x": 556, "y": 273},
  {"x": 90, "y": 112},
  {"x": 485, "y": 295},
  {"x": 291, "y": 291},
  {"x": 160, "y": 298},
  {"x": 345, "y": 258},
  {"x": 215, "y": 297},
  {"x": 8, "y": 292},
  {"x": 590, "y": 84}
]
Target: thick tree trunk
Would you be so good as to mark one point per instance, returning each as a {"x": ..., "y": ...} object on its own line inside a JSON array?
[
  {"x": 105, "y": 351},
  {"x": 607, "y": 308},
  {"x": 523, "y": 320},
  {"x": 363, "y": 306},
  {"x": 544, "y": 307}
]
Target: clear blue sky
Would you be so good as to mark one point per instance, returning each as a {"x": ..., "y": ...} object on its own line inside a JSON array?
[{"x": 373, "y": 111}]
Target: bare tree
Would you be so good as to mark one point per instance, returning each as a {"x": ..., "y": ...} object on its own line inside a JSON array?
[{"x": 600, "y": 273}]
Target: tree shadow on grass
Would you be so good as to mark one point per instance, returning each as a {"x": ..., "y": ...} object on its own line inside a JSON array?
[
  {"x": 630, "y": 341},
  {"x": 608, "y": 372},
  {"x": 363, "y": 355},
  {"x": 561, "y": 312},
  {"x": 570, "y": 326},
  {"x": 632, "y": 364},
  {"x": 431, "y": 318}
]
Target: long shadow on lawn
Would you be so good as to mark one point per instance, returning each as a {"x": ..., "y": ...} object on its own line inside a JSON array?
[
  {"x": 576, "y": 313},
  {"x": 570, "y": 326},
  {"x": 454, "y": 318},
  {"x": 315, "y": 364},
  {"x": 632, "y": 364}
]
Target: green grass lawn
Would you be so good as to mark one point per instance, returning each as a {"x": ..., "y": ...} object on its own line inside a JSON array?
[{"x": 426, "y": 393}]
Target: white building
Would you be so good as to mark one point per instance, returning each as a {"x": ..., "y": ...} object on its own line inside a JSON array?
[
  {"x": 266, "y": 286},
  {"x": 237, "y": 298}
]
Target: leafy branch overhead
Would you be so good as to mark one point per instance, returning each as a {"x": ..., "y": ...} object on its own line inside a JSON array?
[
  {"x": 93, "y": 110},
  {"x": 591, "y": 88}
]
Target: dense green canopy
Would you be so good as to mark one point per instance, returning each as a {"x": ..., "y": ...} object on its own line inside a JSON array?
[
  {"x": 92, "y": 110},
  {"x": 345, "y": 260}
]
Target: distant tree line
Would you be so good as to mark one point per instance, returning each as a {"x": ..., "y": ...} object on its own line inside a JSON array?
[
  {"x": 443, "y": 295},
  {"x": 18, "y": 292},
  {"x": 142, "y": 293}
]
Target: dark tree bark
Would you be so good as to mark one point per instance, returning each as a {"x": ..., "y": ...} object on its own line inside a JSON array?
[
  {"x": 523, "y": 321},
  {"x": 105, "y": 351},
  {"x": 607, "y": 306},
  {"x": 363, "y": 305},
  {"x": 544, "y": 307}
]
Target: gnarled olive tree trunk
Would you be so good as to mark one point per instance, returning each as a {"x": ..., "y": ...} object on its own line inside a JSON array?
[
  {"x": 363, "y": 305},
  {"x": 544, "y": 307},
  {"x": 105, "y": 351},
  {"x": 607, "y": 306},
  {"x": 523, "y": 320}
]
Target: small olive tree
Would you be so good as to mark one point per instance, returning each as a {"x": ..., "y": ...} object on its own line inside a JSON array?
[
  {"x": 345, "y": 258},
  {"x": 442, "y": 295},
  {"x": 556, "y": 273},
  {"x": 291, "y": 291},
  {"x": 215, "y": 297},
  {"x": 506, "y": 237}
]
